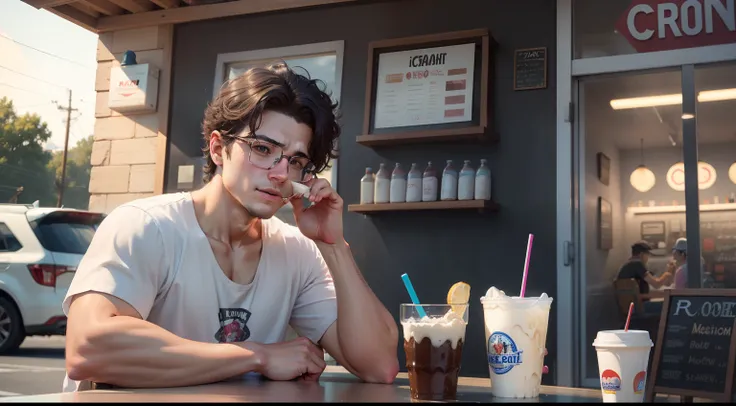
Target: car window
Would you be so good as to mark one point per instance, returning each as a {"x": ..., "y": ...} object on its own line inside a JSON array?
[
  {"x": 8, "y": 241},
  {"x": 69, "y": 233}
]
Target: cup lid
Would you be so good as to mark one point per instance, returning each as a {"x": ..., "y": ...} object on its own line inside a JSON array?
[{"x": 622, "y": 338}]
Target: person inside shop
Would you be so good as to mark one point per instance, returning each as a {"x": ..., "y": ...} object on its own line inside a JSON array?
[
  {"x": 636, "y": 268},
  {"x": 679, "y": 256},
  {"x": 192, "y": 288}
]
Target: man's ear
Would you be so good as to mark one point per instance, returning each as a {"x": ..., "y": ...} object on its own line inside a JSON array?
[{"x": 217, "y": 148}]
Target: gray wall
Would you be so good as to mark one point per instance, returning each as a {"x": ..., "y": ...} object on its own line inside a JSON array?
[
  {"x": 440, "y": 248},
  {"x": 659, "y": 160}
]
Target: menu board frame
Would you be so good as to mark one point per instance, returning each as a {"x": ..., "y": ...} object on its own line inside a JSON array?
[
  {"x": 521, "y": 56},
  {"x": 480, "y": 116},
  {"x": 653, "y": 387}
]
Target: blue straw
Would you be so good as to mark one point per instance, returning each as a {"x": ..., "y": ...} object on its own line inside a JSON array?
[{"x": 413, "y": 294}]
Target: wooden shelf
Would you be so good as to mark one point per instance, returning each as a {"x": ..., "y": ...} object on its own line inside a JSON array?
[
  {"x": 481, "y": 205},
  {"x": 472, "y": 134}
]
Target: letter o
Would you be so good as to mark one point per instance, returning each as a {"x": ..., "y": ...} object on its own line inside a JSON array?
[
  {"x": 688, "y": 28},
  {"x": 717, "y": 308},
  {"x": 704, "y": 312}
]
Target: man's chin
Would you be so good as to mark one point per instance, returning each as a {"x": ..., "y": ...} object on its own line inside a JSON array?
[{"x": 261, "y": 211}]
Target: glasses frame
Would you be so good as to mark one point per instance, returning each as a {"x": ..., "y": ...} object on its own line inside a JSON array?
[{"x": 309, "y": 169}]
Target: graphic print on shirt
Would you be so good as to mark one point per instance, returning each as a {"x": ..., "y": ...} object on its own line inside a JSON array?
[{"x": 233, "y": 326}]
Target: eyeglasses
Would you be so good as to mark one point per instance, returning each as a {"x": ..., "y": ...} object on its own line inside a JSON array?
[{"x": 266, "y": 155}]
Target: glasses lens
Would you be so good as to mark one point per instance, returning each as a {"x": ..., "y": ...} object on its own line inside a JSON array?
[{"x": 264, "y": 154}]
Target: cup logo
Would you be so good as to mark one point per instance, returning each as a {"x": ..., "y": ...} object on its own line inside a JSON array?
[
  {"x": 502, "y": 353},
  {"x": 640, "y": 382},
  {"x": 610, "y": 382}
]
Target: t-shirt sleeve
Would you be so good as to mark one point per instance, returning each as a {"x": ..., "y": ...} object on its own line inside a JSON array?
[
  {"x": 315, "y": 309},
  {"x": 124, "y": 259}
]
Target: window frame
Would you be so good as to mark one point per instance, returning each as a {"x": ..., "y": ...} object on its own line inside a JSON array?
[
  {"x": 294, "y": 51},
  {"x": 4, "y": 238}
]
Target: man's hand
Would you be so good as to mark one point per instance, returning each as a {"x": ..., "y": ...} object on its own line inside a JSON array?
[
  {"x": 323, "y": 220},
  {"x": 298, "y": 358}
]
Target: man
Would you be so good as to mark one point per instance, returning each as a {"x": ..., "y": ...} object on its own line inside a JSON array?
[
  {"x": 636, "y": 268},
  {"x": 192, "y": 288}
]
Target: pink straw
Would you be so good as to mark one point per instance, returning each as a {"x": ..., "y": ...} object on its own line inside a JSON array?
[
  {"x": 526, "y": 264},
  {"x": 628, "y": 318}
]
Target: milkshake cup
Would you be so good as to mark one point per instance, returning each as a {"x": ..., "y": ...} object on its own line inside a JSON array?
[
  {"x": 623, "y": 358},
  {"x": 433, "y": 343},
  {"x": 516, "y": 332}
]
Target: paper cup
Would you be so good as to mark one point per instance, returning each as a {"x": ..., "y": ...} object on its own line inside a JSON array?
[{"x": 623, "y": 358}]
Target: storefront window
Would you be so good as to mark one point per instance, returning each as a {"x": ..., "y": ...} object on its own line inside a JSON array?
[
  {"x": 631, "y": 137},
  {"x": 620, "y": 27},
  {"x": 715, "y": 89}
]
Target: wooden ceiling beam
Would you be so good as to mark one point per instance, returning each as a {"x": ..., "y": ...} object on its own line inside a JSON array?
[
  {"x": 86, "y": 9},
  {"x": 134, "y": 6},
  {"x": 48, "y": 3},
  {"x": 77, "y": 17},
  {"x": 205, "y": 12},
  {"x": 104, "y": 7},
  {"x": 166, "y": 3}
]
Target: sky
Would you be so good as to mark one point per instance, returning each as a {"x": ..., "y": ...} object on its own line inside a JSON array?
[{"x": 50, "y": 76}]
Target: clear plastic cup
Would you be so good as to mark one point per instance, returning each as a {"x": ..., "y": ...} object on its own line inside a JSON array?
[
  {"x": 623, "y": 359},
  {"x": 434, "y": 347},
  {"x": 516, "y": 333}
]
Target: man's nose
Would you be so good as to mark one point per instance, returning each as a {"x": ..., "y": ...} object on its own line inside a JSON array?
[{"x": 280, "y": 171}]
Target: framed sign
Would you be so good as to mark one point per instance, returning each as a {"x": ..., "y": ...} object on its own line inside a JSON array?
[
  {"x": 605, "y": 224},
  {"x": 530, "y": 68},
  {"x": 696, "y": 345},
  {"x": 427, "y": 88},
  {"x": 604, "y": 168}
]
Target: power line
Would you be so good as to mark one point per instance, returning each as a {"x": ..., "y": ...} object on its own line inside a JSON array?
[
  {"x": 33, "y": 77},
  {"x": 20, "y": 88},
  {"x": 47, "y": 53}
]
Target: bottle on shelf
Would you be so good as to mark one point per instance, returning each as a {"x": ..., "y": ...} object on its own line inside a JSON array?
[
  {"x": 367, "y": 187},
  {"x": 398, "y": 185},
  {"x": 414, "y": 185},
  {"x": 483, "y": 181},
  {"x": 383, "y": 185},
  {"x": 466, "y": 182},
  {"x": 429, "y": 184},
  {"x": 732, "y": 198},
  {"x": 449, "y": 182}
]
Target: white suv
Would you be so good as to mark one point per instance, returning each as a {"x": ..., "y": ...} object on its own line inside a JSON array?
[{"x": 40, "y": 249}]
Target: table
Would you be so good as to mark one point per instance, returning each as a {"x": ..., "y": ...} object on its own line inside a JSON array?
[{"x": 335, "y": 385}]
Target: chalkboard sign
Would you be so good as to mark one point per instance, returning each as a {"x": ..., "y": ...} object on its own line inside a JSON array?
[
  {"x": 696, "y": 345},
  {"x": 530, "y": 68}
]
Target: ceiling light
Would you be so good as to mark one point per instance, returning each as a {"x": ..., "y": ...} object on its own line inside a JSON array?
[
  {"x": 671, "y": 99},
  {"x": 688, "y": 116}
]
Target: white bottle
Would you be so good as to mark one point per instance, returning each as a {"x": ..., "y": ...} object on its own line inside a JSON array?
[
  {"x": 367, "y": 186},
  {"x": 483, "y": 182},
  {"x": 383, "y": 185},
  {"x": 449, "y": 182},
  {"x": 414, "y": 185},
  {"x": 466, "y": 182},
  {"x": 429, "y": 184},
  {"x": 398, "y": 185}
]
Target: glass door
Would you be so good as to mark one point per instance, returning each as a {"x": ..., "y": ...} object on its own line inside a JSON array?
[{"x": 628, "y": 136}]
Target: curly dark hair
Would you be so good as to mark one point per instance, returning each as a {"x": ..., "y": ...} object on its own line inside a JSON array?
[{"x": 241, "y": 102}]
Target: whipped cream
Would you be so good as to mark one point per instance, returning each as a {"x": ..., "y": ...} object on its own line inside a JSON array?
[{"x": 450, "y": 327}]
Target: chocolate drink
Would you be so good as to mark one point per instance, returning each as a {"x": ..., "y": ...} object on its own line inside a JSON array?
[{"x": 433, "y": 371}]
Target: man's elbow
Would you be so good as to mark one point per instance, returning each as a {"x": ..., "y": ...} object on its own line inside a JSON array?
[{"x": 384, "y": 373}]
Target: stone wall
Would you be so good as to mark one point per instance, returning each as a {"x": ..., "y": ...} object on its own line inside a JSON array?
[{"x": 127, "y": 155}]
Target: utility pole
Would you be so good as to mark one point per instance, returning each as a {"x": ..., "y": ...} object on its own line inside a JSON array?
[{"x": 68, "y": 110}]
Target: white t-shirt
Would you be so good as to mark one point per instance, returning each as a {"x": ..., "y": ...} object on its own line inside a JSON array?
[{"x": 152, "y": 254}]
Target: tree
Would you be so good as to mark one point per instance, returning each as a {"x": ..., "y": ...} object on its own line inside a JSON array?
[
  {"x": 22, "y": 157},
  {"x": 78, "y": 168}
]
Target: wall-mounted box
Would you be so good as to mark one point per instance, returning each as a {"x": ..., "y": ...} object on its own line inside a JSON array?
[{"x": 133, "y": 88}]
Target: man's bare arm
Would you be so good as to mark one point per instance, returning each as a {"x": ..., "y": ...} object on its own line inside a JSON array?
[
  {"x": 365, "y": 336},
  {"x": 108, "y": 342},
  {"x": 658, "y": 281}
]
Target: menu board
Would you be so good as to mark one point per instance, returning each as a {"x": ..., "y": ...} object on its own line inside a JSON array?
[
  {"x": 696, "y": 345},
  {"x": 530, "y": 68},
  {"x": 425, "y": 86}
]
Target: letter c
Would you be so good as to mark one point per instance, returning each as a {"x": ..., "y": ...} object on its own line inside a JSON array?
[{"x": 639, "y": 35}]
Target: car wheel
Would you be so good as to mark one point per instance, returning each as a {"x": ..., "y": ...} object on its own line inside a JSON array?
[{"x": 11, "y": 328}]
